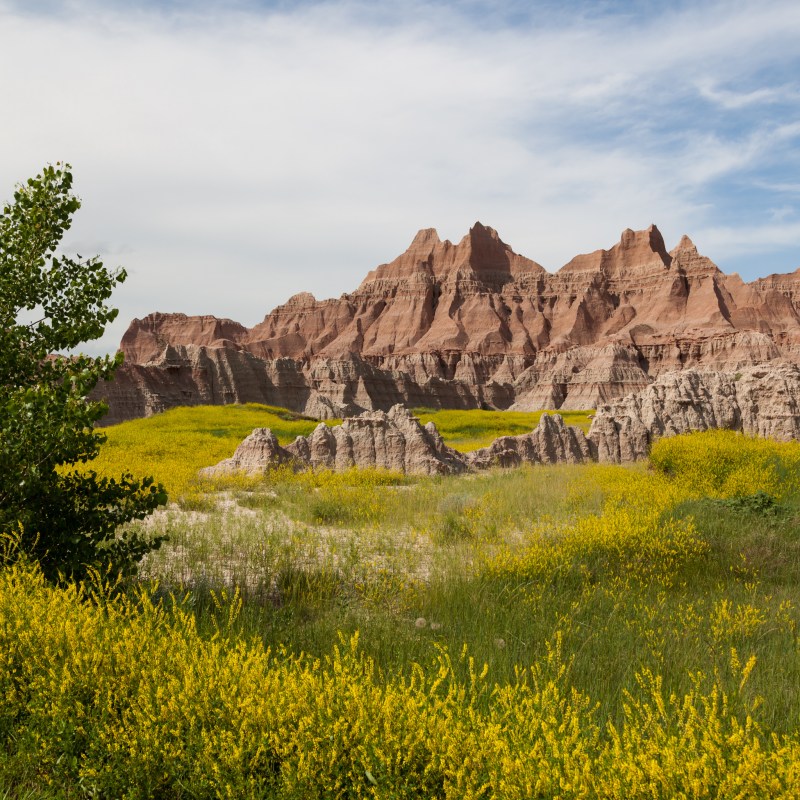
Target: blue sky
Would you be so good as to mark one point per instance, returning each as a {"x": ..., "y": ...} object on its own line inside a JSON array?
[{"x": 232, "y": 154}]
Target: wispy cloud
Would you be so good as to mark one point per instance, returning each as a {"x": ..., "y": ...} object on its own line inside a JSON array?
[
  {"x": 231, "y": 154},
  {"x": 733, "y": 101}
]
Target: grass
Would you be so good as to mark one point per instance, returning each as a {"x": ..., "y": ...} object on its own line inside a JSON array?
[
  {"x": 174, "y": 445},
  {"x": 572, "y": 631},
  {"x": 620, "y": 562},
  {"x": 471, "y": 430}
]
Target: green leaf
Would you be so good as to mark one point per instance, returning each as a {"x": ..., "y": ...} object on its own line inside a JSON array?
[{"x": 69, "y": 519}]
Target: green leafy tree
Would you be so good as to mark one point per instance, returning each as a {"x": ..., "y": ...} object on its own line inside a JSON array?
[{"x": 66, "y": 517}]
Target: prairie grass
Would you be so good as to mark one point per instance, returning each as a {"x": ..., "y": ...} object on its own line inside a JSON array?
[
  {"x": 625, "y": 564},
  {"x": 174, "y": 445},
  {"x": 569, "y": 631},
  {"x": 471, "y": 430}
]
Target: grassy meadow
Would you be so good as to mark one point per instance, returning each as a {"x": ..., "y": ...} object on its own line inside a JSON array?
[
  {"x": 471, "y": 430},
  {"x": 174, "y": 445},
  {"x": 568, "y": 631}
]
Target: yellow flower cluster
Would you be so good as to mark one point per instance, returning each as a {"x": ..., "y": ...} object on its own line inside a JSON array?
[
  {"x": 123, "y": 698},
  {"x": 114, "y": 696},
  {"x": 633, "y": 536},
  {"x": 722, "y": 464}
]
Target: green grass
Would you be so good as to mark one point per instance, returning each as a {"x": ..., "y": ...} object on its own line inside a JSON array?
[
  {"x": 174, "y": 445},
  {"x": 471, "y": 430},
  {"x": 318, "y": 553},
  {"x": 686, "y": 568},
  {"x": 504, "y": 562}
]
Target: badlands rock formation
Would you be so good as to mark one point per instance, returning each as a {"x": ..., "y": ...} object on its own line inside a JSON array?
[
  {"x": 471, "y": 325},
  {"x": 393, "y": 440},
  {"x": 396, "y": 441},
  {"x": 550, "y": 442},
  {"x": 756, "y": 401}
]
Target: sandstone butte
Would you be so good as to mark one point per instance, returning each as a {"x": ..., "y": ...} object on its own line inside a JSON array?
[{"x": 470, "y": 325}]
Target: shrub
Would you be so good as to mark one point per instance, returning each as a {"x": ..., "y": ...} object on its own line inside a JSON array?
[
  {"x": 68, "y": 515},
  {"x": 722, "y": 463}
]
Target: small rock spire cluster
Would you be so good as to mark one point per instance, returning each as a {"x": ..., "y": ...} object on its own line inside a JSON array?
[{"x": 758, "y": 401}]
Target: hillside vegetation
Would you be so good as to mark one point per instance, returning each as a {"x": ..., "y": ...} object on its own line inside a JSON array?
[
  {"x": 177, "y": 443},
  {"x": 174, "y": 445},
  {"x": 569, "y": 631},
  {"x": 471, "y": 430}
]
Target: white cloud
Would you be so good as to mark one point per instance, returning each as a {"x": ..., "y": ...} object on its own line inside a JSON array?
[
  {"x": 232, "y": 159},
  {"x": 735, "y": 100},
  {"x": 752, "y": 241}
]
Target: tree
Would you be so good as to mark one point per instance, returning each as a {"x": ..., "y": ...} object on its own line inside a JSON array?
[{"x": 66, "y": 517}]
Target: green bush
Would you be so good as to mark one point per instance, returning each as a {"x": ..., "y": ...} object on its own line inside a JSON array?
[{"x": 68, "y": 515}]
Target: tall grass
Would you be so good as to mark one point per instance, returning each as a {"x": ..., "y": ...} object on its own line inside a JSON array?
[
  {"x": 630, "y": 566},
  {"x": 571, "y": 631}
]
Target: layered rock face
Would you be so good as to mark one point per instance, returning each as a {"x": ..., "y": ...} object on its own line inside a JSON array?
[
  {"x": 471, "y": 325},
  {"x": 757, "y": 401}
]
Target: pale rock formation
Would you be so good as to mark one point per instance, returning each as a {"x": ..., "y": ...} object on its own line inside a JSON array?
[
  {"x": 393, "y": 440},
  {"x": 396, "y": 441},
  {"x": 550, "y": 442},
  {"x": 758, "y": 401},
  {"x": 258, "y": 450}
]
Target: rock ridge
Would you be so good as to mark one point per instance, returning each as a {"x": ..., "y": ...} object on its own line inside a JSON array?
[
  {"x": 757, "y": 401},
  {"x": 395, "y": 440},
  {"x": 471, "y": 325}
]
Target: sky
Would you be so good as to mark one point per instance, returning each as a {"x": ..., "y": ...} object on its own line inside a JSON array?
[{"x": 232, "y": 154}]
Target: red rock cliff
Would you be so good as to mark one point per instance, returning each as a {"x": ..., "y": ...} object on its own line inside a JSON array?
[{"x": 471, "y": 324}]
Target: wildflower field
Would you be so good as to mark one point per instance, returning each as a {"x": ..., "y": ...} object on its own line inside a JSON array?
[
  {"x": 174, "y": 445},
  {"x": 568, "y": 631}
]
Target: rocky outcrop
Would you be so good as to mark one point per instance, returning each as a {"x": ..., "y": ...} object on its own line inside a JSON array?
[
  {"x": 550, "y": 442},
  {"x": 396, "y": 441},
  {"x": 256, "y": 453},
  {"x": 471, "y": 325},
  {"x": 393, "y": 440},
  {"x": 757, "y": 401}
]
